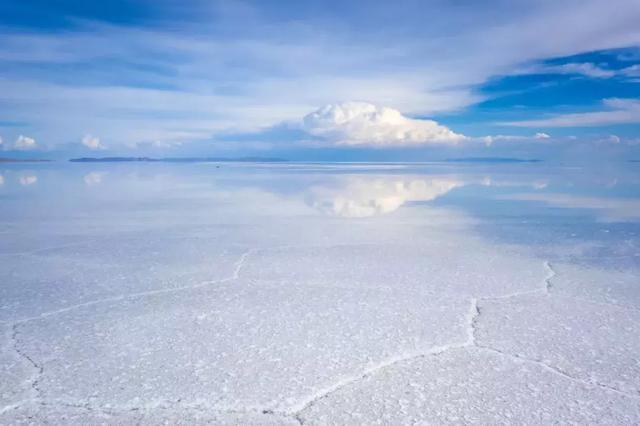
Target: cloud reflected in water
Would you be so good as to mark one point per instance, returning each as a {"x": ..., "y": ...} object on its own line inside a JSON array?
[
  {"x": 365, "y": 197},
  {"x": 28, "y": 180},
  {"x": 93, "y": 178}
]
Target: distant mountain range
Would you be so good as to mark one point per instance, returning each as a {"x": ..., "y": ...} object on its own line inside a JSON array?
[
  {"x": 176, "y": 160},
  {"x": 22, "y": 160}
]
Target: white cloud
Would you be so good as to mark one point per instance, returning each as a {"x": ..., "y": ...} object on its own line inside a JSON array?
[
  {"x": 1, "y": 141},
  {"x": 632, "y": 71},
  {"x": 612, "y": 139},
  {"x": 587, "y": 69},
  {"x": 165, "y": 144},
  {"x": 489, "y": 140},
  {"x": 24, "y": 143},
  {"x": 1, "y": 180},
  {"x": 619, "y": 111},
  {"x": 360, "y": 197},
  {"x": 28, "y": 180},
  {"x": 92, "y": 142},
  {"x": 362, "y": 123}
]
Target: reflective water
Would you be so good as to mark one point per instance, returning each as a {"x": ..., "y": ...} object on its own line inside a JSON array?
[{"x": 529, "y": 204}]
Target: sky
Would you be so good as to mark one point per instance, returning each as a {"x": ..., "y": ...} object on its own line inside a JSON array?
[{"x": 321, "y": 80}]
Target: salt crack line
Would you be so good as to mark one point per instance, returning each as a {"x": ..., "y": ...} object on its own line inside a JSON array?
[
  {"x": 473, "y": 316},
  {"x": 558, "y": 372},
  {"x": 551, "y": 273},
  {"x": 328, "y": 390},
  {"x": 38, "y": 368},
  {"x": 15, "y": 406},
  {"x": 546, "y": 289},
  {"x": 296, "y": 409},
  {"x": 164, "y": 406},
  {"x": 234, "y": 276}
]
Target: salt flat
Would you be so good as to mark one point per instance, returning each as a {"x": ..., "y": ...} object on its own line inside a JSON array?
[{"x": 307, "y": 295}]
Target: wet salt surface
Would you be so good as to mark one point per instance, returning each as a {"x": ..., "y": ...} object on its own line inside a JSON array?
[{"x": 289, "y": 294}]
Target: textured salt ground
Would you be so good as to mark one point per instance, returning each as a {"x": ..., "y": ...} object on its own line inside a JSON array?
[
  {"x": 15, "y": 371},
  {"x": 303, "y": 335},
  {"x": 470, "y": 386},
  {"x": 592, "y": 342},
  {"x": 443, "y": 269},
  {"x": 233, "y": 347},
  {"x": 612, "y": 285},
  {"x": 64, "y": 276},
  {"x": 59, "y": 274},
  {"x": 42, "y": 414}
]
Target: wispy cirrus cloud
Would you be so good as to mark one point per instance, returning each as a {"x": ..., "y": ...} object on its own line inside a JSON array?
[
  {"x": 617, "y": 111},
  {"x": 587, "y": 69}
]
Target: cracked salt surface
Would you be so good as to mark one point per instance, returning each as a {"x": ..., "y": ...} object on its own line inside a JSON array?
[
  {"x": 470, "y": 385},
  {"x": 592, "y": 342},
  {"x": 201, "y": 309},
  {"x": 59, "y": 278},
  {"x": 241, "y": 344},
  {"x": 16, "y": 383}
]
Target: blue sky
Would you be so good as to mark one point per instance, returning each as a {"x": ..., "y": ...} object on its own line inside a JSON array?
[{"x": 403, "y": 80}]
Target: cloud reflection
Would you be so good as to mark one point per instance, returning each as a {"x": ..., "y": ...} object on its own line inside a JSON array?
[
  {"x": 93, "y": 178},
  {"x": 28, "y": 180},
  {"x": 365, "y": 197}
]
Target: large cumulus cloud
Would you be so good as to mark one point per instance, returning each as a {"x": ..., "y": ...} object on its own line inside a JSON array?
[{"x": 362, "y": 123}]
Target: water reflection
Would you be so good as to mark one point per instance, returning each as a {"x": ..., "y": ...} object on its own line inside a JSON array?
[
  {"x": 365, "y": 197},
  {"x": 93, "y": 178},
  {"x": 26, "y": 180},
  {"x": 607, "y": 209}
]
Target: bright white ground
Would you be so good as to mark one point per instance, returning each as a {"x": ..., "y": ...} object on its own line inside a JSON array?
[{"x": 198, "y": 303}]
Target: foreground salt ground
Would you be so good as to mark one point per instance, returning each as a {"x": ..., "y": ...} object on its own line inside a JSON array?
[{"x": 311, "y": 320}]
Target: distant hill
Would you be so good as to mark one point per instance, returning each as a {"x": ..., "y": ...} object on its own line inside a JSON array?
[
  {"x": 22, "y": 160},
  {"x": 176, "y": 160},
  {"x": 492, "y": 160}
]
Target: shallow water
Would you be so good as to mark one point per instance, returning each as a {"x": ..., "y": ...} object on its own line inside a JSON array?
[{"x": 323, "y": 293}]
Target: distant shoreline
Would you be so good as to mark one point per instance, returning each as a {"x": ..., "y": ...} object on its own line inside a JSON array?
[
  {"x": 23, "y": 160},
  {"x": 176, "y": 160},
  {"x": 492, "y": 160}
]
